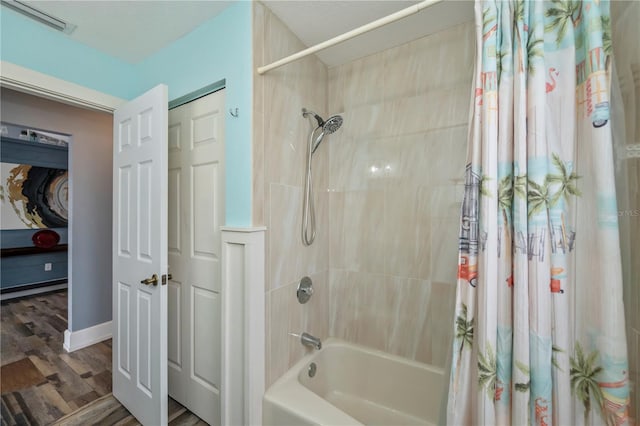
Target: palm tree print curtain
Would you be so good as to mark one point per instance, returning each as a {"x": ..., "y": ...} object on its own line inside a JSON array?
[{"x": 539, "y": 329}]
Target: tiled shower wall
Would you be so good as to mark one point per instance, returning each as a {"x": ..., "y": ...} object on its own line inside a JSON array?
[
  {"x": 388, "y": 187},
  {"x": 625, "y": 34},
  {"x": 279, "y": 155},
  {"x": 395, "y": 187}
]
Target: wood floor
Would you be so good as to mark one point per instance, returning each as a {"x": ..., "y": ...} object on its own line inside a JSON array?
[
  {"x": 107, "y": 411},
  {"x": 41, "y": 383}
]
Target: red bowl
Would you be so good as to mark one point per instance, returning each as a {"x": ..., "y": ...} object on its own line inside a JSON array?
[{"x": 45, "y": 238}]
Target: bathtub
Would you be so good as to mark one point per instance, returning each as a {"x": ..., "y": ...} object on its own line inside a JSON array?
[{"x": 355, "y": 385}]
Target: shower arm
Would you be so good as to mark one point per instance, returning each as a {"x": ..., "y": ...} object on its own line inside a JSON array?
[{"x": 307, "y": 112}]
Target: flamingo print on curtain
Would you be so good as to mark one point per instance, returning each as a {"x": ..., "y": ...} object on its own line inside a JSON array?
[{"x": 539, "y": 328}]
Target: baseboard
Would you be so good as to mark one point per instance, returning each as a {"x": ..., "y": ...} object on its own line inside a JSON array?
[
  {"x": 74, "y": 340},
  {"x": 35, "y": 289}
]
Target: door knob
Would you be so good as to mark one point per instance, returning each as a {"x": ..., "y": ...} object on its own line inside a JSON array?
[{"x": 148, "y": 281}]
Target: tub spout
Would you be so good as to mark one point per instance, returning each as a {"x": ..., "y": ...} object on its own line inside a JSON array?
[{"x": 309, "y": 340}]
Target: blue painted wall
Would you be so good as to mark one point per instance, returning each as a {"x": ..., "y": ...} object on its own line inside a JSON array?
[
  {"x": 41, "y": 155},
  {"x": 17, "y": 271},
  {"x": 24, "y": 270},
  {"x": 218, "y": 49},
  {"x": 11, "y": 238},
  {"x": 43, "y": 49}
]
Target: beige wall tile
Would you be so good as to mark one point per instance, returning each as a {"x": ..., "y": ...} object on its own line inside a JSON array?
[
  {"x": 315, "y": 258},
  {"x": 283, "y": 233},
  {"x": 444, "y": 249},
  {"x": 280, "y": 144},
  {"x": 286, "y": 142},
  {"x": 400, "y": 72},
  {"x": 355, "y": 302},
  {"x": 411, "y": 114},
  {"x": 446, "y": 200},
  {"x": 357, "y": 219},
  {"x": 278, "y": 41},
  {"x": 317, "y": 308},
  {"x": 365, "y": 163},
  {"x": 409, "y": 315},
  {"x": 447, "y": 151},
  {"x": 435, "y": 339},
  {"x": 288, "y": 258},
  {"x": 378, "y": 311},
  {"x": 287, "y": 319},
  {"x": 320, "y": 163},
  {"x": 343, "y": 305},
  {"x": 364, "y": 81},
  {"x": 445, "y": 59},
  {"x": 393, "y": 194},
  {"x": 367, "y": 120},
  {"x": 407, "y": 232},
  {"x": 335, "y": 89}
]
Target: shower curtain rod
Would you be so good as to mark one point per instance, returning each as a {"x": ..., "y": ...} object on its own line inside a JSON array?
[{"x": 350, "y": 34}]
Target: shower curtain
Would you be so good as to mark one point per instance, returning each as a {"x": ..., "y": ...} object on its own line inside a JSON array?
[{"x": 539, "y": 326}]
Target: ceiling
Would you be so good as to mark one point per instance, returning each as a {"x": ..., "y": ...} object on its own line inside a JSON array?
[{"x": 133, "y": 30}]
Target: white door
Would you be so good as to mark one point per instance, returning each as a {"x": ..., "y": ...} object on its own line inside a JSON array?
[
  {"x": 139, "y": 253},
  {"x": 196, "y": 212}
]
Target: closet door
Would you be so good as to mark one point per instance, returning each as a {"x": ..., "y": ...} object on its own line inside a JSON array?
[{"x": 196, "y": 213}]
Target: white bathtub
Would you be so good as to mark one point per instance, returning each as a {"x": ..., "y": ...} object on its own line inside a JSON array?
[{"x": 355, "y": 385}]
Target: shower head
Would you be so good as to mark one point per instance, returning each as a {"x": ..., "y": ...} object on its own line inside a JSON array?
[
  {"x": 332, "y": 124},
  {"x": 327, "y": 127}
]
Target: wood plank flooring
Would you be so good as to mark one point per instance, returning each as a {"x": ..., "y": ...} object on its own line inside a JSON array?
[
  {"x": 41, "y": 383},
  {"x": 107, "y": 411}
]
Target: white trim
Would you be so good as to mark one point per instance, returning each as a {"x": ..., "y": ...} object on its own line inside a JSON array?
[
  {"x": 408, "y": 11},
  {"x": 30, "y": 292},
  {"x": 74, "y": 340},
  {"x": 243, "y": 319},
  {"x": 25, "y": 80}
]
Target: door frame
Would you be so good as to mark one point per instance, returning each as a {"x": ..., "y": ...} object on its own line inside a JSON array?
[
  {"x": 241, "y": 271},
  {"x": 45, "y": 86}
]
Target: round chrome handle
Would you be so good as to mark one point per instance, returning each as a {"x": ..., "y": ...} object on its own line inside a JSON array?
[{"x": 305, "y": 290}]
